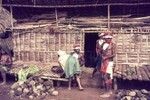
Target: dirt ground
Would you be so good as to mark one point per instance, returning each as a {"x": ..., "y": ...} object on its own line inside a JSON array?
[
  {"x": 64, "y": 94},
  {"x": 91, "y": 90}
]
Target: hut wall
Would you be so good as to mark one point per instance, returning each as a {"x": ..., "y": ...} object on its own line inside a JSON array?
[
  {"x": 42, "y": 44},
  {"x": 132, "y": 48}
]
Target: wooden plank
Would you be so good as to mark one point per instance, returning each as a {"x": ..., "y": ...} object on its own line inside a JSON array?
[
  {"x": 129, "y": 74},
  {"x": 147, "y": 71},
  {"x": 119, "y": 71},
  {"x": 148, "y": 67},
  {"x": 139, "y": 77},
  {"x": 134, "y": 73},
  {"x": 144, "y": 76},
  {"x": 74, "y": 6},
  {"x": 116, "y": 68},
  {"x": 124, "y": 69},
  {"x": 55, "y": 78},
  {"x": 115, "y": 84}
]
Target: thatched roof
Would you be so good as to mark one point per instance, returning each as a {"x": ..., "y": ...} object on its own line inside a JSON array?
[
  {"x": 69, "y": 2},
  {"x": 5, "y": 19}
]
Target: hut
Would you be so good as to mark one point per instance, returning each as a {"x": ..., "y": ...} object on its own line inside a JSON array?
[{"x": 38, "y": 38}]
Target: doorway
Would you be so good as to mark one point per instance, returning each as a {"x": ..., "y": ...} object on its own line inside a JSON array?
[{"x": 89, "y": 48}]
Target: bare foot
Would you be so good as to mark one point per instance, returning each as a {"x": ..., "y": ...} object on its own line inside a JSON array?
[
  {"x": 69, "y": 88},
  {"x": 81, "y": 88},
  {"x": 3, "y": 83},
  {"x": 105, "y": 95}
]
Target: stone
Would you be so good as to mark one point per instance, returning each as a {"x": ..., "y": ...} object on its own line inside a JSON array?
[
  {"x": 31, "y": 97},
  {"x": 143, "y": 98},
  {"x": 137, "y": 98},
  {"x": 12, "y": 92},
  {"x": 18, "y": 92},
  {"x": 54, "y": 93},
  {"x": 25, "y": 90},
  {"x": 48, "y": 83},
  {"x": 15, "y": 85},
  {"x": 139, "y": 94},
  {"x": 132, "y": 93},
  {"x": 128, "y": 97},
  {"x": 32, "y": 82},
  {"x": 40, "y": 80},
  {"x": 144, "y": 91},
  {"x": 43, "y": 94},
  {"x": 39, "y": 87}
]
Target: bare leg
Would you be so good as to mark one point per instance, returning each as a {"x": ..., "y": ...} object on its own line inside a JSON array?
[
  {"x": 79, "y": 82},
  {"x": 3, "y": 77},
  {"x": 69, "y": 83},
  {"x": 94, "y": 71}
]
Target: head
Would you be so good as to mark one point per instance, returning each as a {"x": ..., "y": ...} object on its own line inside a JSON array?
[
  {"x": 77, "y": 48},
  {"x": 108, "y": 38}
]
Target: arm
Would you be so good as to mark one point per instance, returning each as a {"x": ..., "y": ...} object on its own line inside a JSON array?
[
  {"x": 113, "y": 53},
  {"x": 81, "y": 60},
  {"x": 97, "y": 48}
]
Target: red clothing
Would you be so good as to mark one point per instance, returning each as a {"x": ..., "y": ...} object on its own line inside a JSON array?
[
  {"x": 107, "y": 58},
  {"x": 5, "y": 60}
]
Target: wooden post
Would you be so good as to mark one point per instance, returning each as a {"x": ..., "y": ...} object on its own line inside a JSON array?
[
  {"x": 34, "y": 2},
  {"x": 11, "y": 16},
  {"x": 0, "y": 5},
  {"x": 108, "y": 14},
  {"x": 115, "y": 85},
  {"x": 56, "y": 16}
]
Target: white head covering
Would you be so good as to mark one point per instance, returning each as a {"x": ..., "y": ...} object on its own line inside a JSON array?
[
  {"x": 108, "y": 37},
  {"x": 76, "y": 47},
  {"x": 101, "y": 34},
  {"x": 60, "y": 52}
]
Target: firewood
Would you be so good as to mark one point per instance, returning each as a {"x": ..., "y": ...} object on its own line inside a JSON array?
[
  {"x": 147, "y": 71},
  {"x": 139, "y": 76},
  {"x": 48, "y": 83},
  {"x": 144, "y": 75}
]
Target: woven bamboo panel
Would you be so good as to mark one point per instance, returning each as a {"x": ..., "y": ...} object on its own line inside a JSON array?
[
  {"x": 133, "y": 48},
  {"x": 41, "y": 45}
]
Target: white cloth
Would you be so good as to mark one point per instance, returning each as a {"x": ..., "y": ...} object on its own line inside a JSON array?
[
  {"x": 75, "y": 55},
  {"x": 105, "y": 46},
  {"x": 100, "y": 41},
  {"x": 62, "y": 58},
  {"x": 110, "y": 69}
]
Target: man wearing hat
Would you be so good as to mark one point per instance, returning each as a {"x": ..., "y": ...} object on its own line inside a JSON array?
[
  {"x": 80, "y": 61},
  {"x": 99, "y": 44},
  {"x": 70, "y": 65},
  {"x": 108, "y": 53}
]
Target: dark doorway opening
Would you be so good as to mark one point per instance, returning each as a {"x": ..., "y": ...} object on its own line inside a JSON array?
[{"x": 89, "y": 48}]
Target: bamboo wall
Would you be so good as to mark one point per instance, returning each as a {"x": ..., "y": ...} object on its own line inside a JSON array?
[
  {"x": 133, "y": 48},
  {"x": 42, "y": 44}
]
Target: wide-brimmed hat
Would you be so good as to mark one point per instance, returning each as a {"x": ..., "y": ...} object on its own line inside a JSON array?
[
  {"x": 108, "y": 36},
  {"x": 101, "y": 34}
]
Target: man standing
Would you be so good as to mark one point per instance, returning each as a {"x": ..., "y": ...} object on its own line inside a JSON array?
[
  {"x": 5, "y": 63},
  {"x": 71, "y": 66},
  {"x": 99, "y": 44},
  {"x": 108, "y": 53}
]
